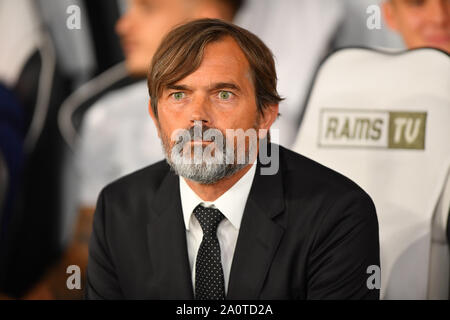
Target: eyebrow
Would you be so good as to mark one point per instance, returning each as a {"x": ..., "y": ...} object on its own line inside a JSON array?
[
  {"x": 216, "y": 86},
  {"x": 178, "y": 87},
  {"x": 225, "y": 85}
]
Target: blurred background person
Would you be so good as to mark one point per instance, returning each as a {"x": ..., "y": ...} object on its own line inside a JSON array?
[{"x": 421, "y": 23}]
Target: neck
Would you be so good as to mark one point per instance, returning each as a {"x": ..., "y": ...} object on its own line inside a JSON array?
[{"x": 210, "y": 192}]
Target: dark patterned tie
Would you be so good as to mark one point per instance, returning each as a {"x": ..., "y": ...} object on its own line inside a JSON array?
[{"x": 209, "y": 281}]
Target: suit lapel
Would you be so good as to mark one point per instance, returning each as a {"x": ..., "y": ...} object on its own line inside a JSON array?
[
  {"x": 167, "y": 242},
  {"x": 258, "y": 238}
]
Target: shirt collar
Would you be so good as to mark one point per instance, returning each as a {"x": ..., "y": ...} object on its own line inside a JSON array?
[{"x": 231, "y": 203}]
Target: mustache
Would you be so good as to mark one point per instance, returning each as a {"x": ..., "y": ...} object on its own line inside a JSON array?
[{"x": 199, "y": 133}]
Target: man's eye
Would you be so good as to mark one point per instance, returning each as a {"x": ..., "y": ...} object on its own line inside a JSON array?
[
  {"x": 178, "y": 95},
  {"x": 225, "y": 95}
]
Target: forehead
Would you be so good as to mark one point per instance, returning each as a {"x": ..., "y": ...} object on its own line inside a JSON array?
[
  {"x": 163, "y": 8},
  {"x": 225, "y": 51},
  {"x": 222, "y": 59}
]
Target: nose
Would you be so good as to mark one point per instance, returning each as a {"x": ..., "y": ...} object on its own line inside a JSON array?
[
  {"x": 124, "y": 23},
  {"x": 200, "y": 111},
  {"x": 121, "y": 25}
]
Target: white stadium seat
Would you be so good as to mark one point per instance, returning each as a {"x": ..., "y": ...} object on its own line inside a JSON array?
[{"x": 383, "y": 120}]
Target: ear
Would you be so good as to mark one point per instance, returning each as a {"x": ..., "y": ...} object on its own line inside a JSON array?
[
  {"x": 152, "y": 114},
  {"x": 389, "y": 14},
  {"x": 269, "y": 115}
]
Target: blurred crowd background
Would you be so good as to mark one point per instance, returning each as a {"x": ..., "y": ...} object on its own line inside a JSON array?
[{"x": 73, "y": 113}]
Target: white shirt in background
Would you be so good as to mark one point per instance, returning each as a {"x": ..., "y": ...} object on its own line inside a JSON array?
[{"x": 118, "y": 137}]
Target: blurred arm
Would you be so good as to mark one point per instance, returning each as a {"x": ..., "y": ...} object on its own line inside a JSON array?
[{"x": 53, "y": 284}]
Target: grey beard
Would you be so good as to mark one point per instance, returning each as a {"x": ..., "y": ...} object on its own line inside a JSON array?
[
  {"x": 209, "y": 171},
  {"x": 201, "y": 165}
]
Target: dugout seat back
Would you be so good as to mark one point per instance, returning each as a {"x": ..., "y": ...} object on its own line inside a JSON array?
[
  {"x": 383, "y": 120},
  {"x": 75, "y": 106},
  {"x": 30, "y": 69},
  {"x": 3, "y": 183}
]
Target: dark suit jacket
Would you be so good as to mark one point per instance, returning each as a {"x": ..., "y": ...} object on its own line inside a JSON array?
[{"x": 307, "y": 233}]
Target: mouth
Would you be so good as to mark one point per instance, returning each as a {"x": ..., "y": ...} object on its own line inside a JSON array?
[
  {"x": 200, "y": 142},
  {"x": 438, "y": 39},
  {"x": 128, "y": 46}
]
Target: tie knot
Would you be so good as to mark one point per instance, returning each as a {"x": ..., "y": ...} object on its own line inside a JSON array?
[{"x": 209, "y": 219}]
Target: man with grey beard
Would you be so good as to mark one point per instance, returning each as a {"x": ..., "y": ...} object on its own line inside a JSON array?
[{"x": 228, "y": 215}]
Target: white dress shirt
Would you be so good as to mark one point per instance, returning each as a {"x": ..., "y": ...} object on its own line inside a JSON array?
[{"x": 232, "y": 205}]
